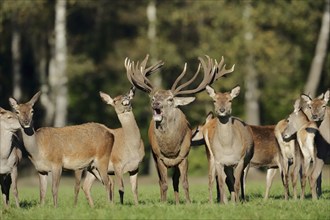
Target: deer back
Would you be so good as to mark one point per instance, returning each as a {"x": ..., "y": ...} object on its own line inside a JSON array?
[{"x": 266, "y": 149}]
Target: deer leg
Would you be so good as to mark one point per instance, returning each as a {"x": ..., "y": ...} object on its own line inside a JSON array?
[
  {"x": 56, "y": 177},
  {"x": 294, "y": 178},
  {"x": 319, "y": 185},
  {"x": 119, "y": 177},
  {"x": 134, "y": 185},
  {"x": 5, "y": 181},
  {"x": 211, "y": 180},
  {"x": 102, "y": 168},
  {"x": 77, "y": 174},
  {"x": 43, "y": 186},
  {"x": 285, "y": 178},
  {"x": 175, "y": 181},
  {"x": 221, "y": 179},
  {"x": 238, "y": 176},
  {"x": 162, "y": 175},
  {"x": 246, "y": 170},
  {"x": 269, "y": 180},
  {"x": 230, "y": 181},
  {"x": 314, "y": 175},
  {"x": 86, "y": 187},
  {"x": 183, "y": 167},
  {"x": 304, "y": 171},
  {"x": 14, "y": 181}
]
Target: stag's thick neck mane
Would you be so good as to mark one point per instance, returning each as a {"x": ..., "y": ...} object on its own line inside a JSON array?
[{"x": 171, "y": 122}]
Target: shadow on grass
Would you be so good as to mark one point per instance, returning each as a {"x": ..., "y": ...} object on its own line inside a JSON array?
[{"x": 28, "y": 204}]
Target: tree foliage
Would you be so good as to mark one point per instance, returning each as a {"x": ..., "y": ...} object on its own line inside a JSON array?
[{"x": 101, "y": 34}]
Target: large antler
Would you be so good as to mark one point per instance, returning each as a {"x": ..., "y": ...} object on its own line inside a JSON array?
[
  {"x": 212, "y": 71},
  {"x": 137, "y": 74}
]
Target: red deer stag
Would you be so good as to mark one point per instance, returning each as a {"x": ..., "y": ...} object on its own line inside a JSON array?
[
  {"x": 10, "y": 155},
  {"x": 73, "y": 147},
  {"x": 169, "y": 131},
  {"x": 128, "y": 148}
]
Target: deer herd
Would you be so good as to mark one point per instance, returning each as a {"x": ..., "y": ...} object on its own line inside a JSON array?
[{"x": 298, "y": 144}]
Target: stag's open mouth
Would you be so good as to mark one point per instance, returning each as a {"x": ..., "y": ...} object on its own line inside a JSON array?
[{"x": 158, "y": 114}]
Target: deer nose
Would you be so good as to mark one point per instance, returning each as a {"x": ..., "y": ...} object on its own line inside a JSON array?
[
  {"x": 222, "y": 110},
  {"x": 314, "y": 116}
]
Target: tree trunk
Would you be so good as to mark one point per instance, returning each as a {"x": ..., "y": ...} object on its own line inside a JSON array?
[
  {"x": 315, "y": 71},
  {"x": 251, "y": 80},
  {"x": 156, "y": 78},
  {"x": 57, "y": 70},
  {"x": 16, "y": 62}
]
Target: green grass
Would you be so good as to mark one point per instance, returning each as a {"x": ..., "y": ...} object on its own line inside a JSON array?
[{"x": 151, "y": 208}]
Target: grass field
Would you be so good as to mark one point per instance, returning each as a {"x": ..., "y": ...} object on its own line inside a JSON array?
[{"x": 150, "y": 207}]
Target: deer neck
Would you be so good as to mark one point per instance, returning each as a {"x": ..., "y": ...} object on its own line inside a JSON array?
[
  {"x": 324, "y": 126},
  {"x": 30, "y": 141},
  {"x": 225, "y": 130},
  {"x": 302, "y": 119},
  {"x": 171, "y": 122},
  {"x": 5, "y": 143},
  {"x": 129, "y": 125}
]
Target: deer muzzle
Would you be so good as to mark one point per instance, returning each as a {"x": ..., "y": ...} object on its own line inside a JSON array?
[{"x": 157, "y": 114}]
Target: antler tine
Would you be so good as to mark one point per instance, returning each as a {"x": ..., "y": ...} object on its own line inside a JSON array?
[
  {"x": 136, "y": 74},
  {"x": 136, "y": 77},
  {"x": 221, "y": 69},
  {"x": 178, "y": 91},
  {"x": 180, "y": 77},
  {"x": 209, "y": 71}
]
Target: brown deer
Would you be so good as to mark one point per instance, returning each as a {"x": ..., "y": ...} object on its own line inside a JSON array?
[
  {"x": 305, "y": 131},
  {"x": 273, "y": 152},
  {"x": 229, "y": 141},
  {"x": 317, "y": 110},
  {"x": 128, "y": 148},
  {"x": 269, "y": 151},
  {"x": 169, "y": 131},
  {"x": 10, "y": 155},
  {"x": 73, "y": 147}
]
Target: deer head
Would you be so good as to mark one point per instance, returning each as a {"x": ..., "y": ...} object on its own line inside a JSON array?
[
  {"x": 294, "y": 120},
  {"x": 223, "y": 101},
  {"x": 24, "y": 111},
  {"x": 316, "y": 107},
  {"x": 164, "y": 101},
  {"x": 121, "y": 103},
  {"x": 9, "y": 120}
]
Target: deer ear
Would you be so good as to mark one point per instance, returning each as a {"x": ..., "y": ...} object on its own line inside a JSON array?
[
  {"x": 296, "y": 106},
  {"x": 34, "y": 98},
  {"x": 326, "y": 95},
  {"x": 235, "y": 91},
  {"x": 210, "y": 91},
  {"x": 13, "y": 103},
  {"x": 306, "y": 98},
  {"x": 2, "y": 111},
  {"x": 106, "y": 98},
  {"x": 179, "y": 101}
]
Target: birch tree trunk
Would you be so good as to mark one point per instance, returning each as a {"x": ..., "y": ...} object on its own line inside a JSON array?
[
  {"x": 16, "y": 62},
  {"x": 57, "y": 69},
  {"x": 156, "y": 78},
  {"x": 315, "y": 71},
  {"x": 251, "y": 81}
]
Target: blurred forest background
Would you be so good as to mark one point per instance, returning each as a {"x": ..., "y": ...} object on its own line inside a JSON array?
[{"x": 72, "y": 49}]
